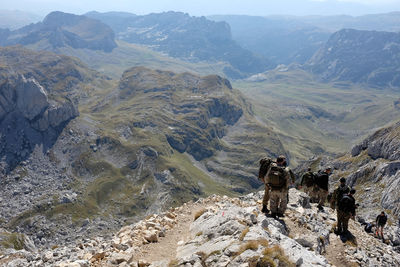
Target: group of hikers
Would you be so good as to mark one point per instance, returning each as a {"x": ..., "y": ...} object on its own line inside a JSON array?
[{"x": 278, "y": 178}]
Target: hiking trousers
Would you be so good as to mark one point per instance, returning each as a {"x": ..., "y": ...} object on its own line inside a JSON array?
[
  {"x": 309, "y": 190},
  {"x": 278, "y": 201},
  {"x": 266, "y": 196},
  {"x": 343, "y": 220},
  {"x": 321, "y": 196}
]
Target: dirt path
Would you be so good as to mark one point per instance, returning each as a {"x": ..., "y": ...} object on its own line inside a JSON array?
[
  {"x": 165, "y": 248},
  {"x": 335, "y": 251}
]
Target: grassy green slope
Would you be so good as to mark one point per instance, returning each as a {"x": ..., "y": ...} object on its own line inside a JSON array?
[
  {"x": 313, "y": 118},
  {"x": 130, "y": 55}
]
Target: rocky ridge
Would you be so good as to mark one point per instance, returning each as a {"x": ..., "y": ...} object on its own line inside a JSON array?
[
  {"x": 373, "y": 167},
  {"x": 366, "y": 57},
  {"x": 222, "y": 231}
]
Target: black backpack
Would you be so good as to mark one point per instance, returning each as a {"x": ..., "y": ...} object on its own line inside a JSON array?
[
  {"x": 276, "y": 176},
  {"x": 264, "y": 166},
  {"x": 308, "y": 179},
  {"x": 346, "y": 204},
  {"x": 340, "y": 192}
]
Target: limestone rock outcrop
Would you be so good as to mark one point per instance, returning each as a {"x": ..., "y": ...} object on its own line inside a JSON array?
[
  {"x": 225, "y": 232},
  {"x": 27, "y": 114}
]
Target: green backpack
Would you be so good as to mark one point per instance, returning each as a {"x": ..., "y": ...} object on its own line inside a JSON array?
[{"x": 276, "y": 177}]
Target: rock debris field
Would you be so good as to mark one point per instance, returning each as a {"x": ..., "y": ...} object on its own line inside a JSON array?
[{"x": 223, "y": 231}]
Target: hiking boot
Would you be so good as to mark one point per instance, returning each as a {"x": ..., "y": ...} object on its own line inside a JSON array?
[
  {"x": 274, "y": 214},
  {"x": 280, "y": 214},
  {"x": 265, "y": 209}
]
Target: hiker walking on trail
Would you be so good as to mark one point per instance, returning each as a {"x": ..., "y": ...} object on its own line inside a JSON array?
[
  {"x": 381, "y": 220},
  {"x": 307, "y": 182},
  {"x": 278, "y": 180},
  {"x": 321, "y": 188},
  {"x": 339, "y": 192},
  {"x": 264, "y": 166},
  {"x": 346, "y": 210}
]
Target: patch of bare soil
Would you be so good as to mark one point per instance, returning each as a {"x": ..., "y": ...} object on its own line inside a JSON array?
[{"x": 165, "y": 248}]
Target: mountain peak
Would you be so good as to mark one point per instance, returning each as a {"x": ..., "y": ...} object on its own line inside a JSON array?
[{"x": 60, "y": 29}]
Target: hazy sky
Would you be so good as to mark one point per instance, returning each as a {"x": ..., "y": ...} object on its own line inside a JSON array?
[{"x": 209, "y": 7}]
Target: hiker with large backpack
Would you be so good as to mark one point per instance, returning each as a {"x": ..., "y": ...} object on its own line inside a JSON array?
[
  {"x": 307, "y": 182},
  {"x": 380, "y": 223},
  {"x": 321, "y": 187},
  {"x": 339, "y": 192},
  {"x": 264, "y": 166},
  {"x": 346, "y": 210},
  {"x": 278, "y": 179}
]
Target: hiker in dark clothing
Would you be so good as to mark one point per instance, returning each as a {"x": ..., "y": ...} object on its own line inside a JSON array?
[
  {"x": 346, "y": 210},
  {"x": 381, "y": 220},
  {"x": 321, "y": 188},
  {"x": 339, "y": 192},
  {"x": 307, "y": 181}
]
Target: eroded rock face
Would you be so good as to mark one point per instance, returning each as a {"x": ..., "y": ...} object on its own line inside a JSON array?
[
  {"x": 28, "y": 117},
  {"x": 31, "y": 97}
]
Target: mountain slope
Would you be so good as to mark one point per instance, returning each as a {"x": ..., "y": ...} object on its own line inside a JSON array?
[
  {"x": 317, "y": 118},
  {"x": 37, "y": 98},
  {"x": 366, "y": 57},
  {"x": 60, "y": 29},
  {"x": 223, "y": 231},
  {"x": 373, "y": 167},
  {"x": 151, "y": 140},
  {"x": 183, "y": 36}
]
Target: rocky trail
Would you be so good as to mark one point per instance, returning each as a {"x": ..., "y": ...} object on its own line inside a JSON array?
[{"x": 222, "y": 231}]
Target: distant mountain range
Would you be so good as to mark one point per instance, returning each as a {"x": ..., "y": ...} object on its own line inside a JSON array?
[
  {"x": 287, "y": 39},
  {"x": 278, "y": 39},
  {"x": 368, "y": 57},
  {"x": 187, "y": 37},
  {"x": 60, "y": 29}
]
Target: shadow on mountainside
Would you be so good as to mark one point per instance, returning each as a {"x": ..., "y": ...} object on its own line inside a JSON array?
[{"x": 18, "y": 140}]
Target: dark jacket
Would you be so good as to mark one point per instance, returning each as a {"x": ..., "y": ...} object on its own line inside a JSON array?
[
  {"x": 381, "y": 219},
  {"x": 307, "y": 179},
  {"x": 347, "y": 204},
  {"x": 322, "y": 180}
]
